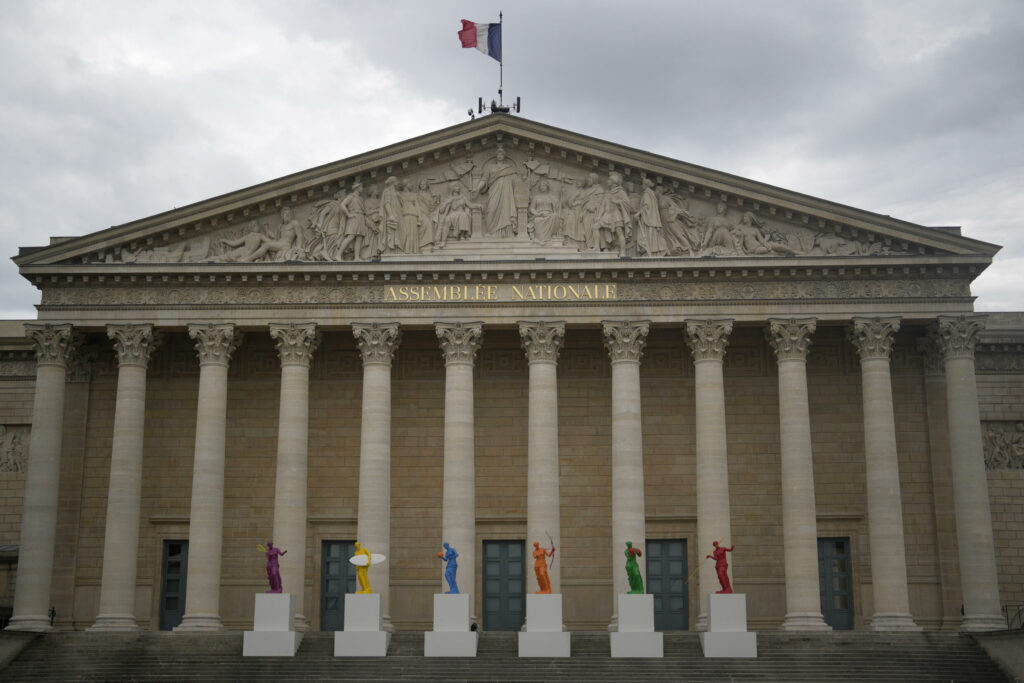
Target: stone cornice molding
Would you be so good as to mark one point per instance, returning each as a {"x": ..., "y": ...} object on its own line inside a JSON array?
[
  {"x": 133, "y": 344},
  {"x": 215, "y": 342},
  {"x": 542, "y": 340},
  {"x": 377, "y": 341},
  {"x": 873, "y": 337},
  {"x": 459, "y": 341},
  {"x": 707, "y": 339},
  {"x": 791, "y": 337},
  {"x": 958, "y": 335},
  {"x": 295, "y": 342},
  {"x": 625, "y": 339},
  {"x": 53, "y": 343}
]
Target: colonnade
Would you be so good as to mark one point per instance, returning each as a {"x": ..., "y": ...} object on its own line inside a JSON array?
[{"x": 956, "y": 338}]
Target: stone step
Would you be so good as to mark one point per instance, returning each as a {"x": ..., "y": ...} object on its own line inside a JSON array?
[{"x": 147, "y": 656}]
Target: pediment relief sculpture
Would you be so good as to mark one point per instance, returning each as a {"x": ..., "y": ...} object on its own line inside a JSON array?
[{"x": 492, "y": 196}]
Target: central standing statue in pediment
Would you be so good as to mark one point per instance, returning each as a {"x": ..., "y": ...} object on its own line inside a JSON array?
[{"x": 498, "y": 181}]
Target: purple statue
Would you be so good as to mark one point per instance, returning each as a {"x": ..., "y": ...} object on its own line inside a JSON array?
[{"x": 273, "y": 568}]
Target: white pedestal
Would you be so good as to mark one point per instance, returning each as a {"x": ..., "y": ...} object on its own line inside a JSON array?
[
  {"x": 273, "y": 633},
  {"x": 451, "y": 636},
  {"x": 727, "y": 634},
  {"x": 544, "y": 636},
  {"x": 636, "y": 636},
  {"x": 362, "y": 636}
]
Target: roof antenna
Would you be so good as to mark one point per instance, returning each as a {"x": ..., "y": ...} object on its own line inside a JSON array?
[{"x": 498, "y": 107}]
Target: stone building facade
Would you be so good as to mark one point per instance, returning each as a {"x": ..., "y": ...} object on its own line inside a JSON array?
[{"x": 502, "y": 333}]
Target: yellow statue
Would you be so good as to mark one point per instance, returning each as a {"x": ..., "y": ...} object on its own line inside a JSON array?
[{"x": 362, "y": 566}]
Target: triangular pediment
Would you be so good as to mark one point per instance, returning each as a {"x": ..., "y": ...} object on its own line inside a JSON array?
[{"x": 502, "y": 187}]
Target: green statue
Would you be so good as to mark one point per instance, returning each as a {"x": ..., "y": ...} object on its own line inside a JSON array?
[{"x": 636, "y": 582}]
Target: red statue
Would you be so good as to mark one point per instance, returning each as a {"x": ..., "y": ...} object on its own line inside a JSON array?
[
  {"x": 721, "y": 566},
  {"x": 540, "y": 566}
]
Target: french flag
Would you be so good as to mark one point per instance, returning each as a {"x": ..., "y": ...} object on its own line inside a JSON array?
[{"x": 484, "y": 37}]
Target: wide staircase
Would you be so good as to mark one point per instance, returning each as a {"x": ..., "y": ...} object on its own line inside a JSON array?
[{"x": 837, "y": 656}]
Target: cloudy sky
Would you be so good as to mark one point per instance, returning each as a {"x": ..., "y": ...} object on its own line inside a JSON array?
[{"x": 113, "y": 111}]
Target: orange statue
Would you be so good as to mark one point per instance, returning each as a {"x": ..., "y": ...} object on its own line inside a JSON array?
[{"x": 540, "y": 566}]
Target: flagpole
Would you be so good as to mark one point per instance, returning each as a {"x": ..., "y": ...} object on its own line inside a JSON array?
[{"x": 501, "y": 64}]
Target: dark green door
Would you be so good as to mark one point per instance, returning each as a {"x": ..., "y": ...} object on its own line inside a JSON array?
[
  {"x": 337, "y": 577},
  {"x": 172, "y": 584},
  {"x": 666, "y": 580},
  {"x": 836, "y": 580},
  {"x": 504, "y": 585}
]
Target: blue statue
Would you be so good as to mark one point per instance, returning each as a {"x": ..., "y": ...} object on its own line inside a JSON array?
[{"x": 449, "y": 555}]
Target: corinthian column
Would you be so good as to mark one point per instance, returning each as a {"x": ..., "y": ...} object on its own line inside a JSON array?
[
  {"x": 295, "y": 344},
  {"x": 957, "y": 338},
  {"x": 459, "y": 343},
  {"x": 873, "y": 339},
  {"x": 708, "y": 339},
  {"x": 133, "y": 344},
  {"x": 790, "y": 339},
  {"x": 542, "y": 342},
  {"x": 625, "y": 341},
  {"x": 377, "y": 343},
  {"x": 53, "y": 346},
  {"x": 214, "y": 343}
]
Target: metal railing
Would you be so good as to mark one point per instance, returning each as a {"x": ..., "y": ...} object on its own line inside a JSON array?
[{"x": 1014, "y": 612}]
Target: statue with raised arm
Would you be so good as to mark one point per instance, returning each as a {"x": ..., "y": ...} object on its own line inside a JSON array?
[
  {"x": 362, "y": 567},
  {"x": 636, "y": 581},
  {"x": 540, "y": 566},
  {"x": 450, "y": 557},
  {"x": 273, "y": 567},
  {"x": 721, "y": 566}
]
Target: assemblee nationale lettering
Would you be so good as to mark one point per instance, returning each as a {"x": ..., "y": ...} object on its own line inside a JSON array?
[{"x": 576, "y": 292}]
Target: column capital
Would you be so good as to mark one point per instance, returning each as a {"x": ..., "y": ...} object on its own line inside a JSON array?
[
  {"x": 215, "y": 342},
  {"x": 791, "y": 337},
  {"x": 53, "y": 343},
  {"x": 133, "y": 343},
  {"x": 542, "y": 340},
  {"x": 958, "y": 335},
  {"x": 707, "y": 339},
  {"x": 296, "y": 342},
  {"x": 377, "y": 341},
  {"x": 625, "y": 339},
  {"x": 873, "y": 337},
  {"x": 459, "y": 341}
]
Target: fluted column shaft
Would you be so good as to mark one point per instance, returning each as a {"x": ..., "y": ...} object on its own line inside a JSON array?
[
  {"x": 133, "y": 344},
  {"x": 53, "y": 344},
  {"x": 296, "y": 344},
  {"x": 625, "y": 342},
  {"x": 214, "y": 344},
  {"x": 459, "y": 344},
  {"x": 790, "y": 339},
  {"x": 707, "y": 340},
  {"x": 957, "y": 338},
  {"x": 542, "y": 342},
  {"x": 873, "y": 339},
  {"x": 377, "y": 343}
]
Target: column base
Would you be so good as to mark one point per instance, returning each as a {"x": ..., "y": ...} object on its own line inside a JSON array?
[
  {"x": 301, "y": 624},
  {"x": 200, "y": 623},
  {"x": 894, "y": 622},
  {"x": 977, "y": 622},
  {"x": 36, "y": 624},
  {"x": 702, "y": 623},
  {"x": 805, "y": 621},
  {"x": 115, "y": 622}
]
